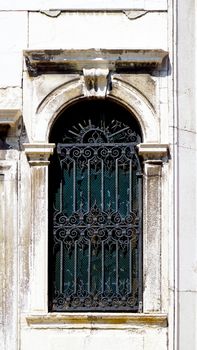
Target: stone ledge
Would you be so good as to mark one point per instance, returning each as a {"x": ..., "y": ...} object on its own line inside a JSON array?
[
  {"x": 153, "y": 151},
  {"x": 9, "y": 116},
  {"x": 50, "y": 61},
  {"x": 38, "y": 153},
  {"x": 96, "y": 320}
]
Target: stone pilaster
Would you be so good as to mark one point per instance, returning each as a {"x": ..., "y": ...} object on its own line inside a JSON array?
[
  {"x": 153, "y": 156},
  {"x": 8, "y": 250},
  {"x": 38, "y": 158}
]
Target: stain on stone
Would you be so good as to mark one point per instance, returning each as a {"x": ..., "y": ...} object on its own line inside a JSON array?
[{"x": 23, "y": 137}]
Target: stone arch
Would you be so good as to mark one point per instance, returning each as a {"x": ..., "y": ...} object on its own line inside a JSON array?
[
  {"x": 74, "y": 90},
  {"x": 139, "y": 105}
]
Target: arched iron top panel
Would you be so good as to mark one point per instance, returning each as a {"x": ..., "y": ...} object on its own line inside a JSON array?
[{"x": 100, "y": 121}]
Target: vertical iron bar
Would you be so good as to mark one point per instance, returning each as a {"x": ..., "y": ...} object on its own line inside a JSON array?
[
  {"x": 88, "y": 184},
  {"x": 116, "y": 184},
  {"x": 75, "y": 269},
  {"x": 61, "y": 188},
  {"x": 117, "y": 267},
  {"x": 74, "y": 186},
  {"x": 89, "y": 267},
  {"x": 102, "y": 185},
  {"x": 103, "y": 267},
  {"x": 140, "y": 247},
  {"x": 130, "y": 267},
  {"x": 61, "y": 266},
  {"x": 130, "y": 186}
]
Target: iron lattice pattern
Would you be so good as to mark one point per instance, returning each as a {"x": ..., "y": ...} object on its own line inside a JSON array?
[{"x": 97, "y": 224}]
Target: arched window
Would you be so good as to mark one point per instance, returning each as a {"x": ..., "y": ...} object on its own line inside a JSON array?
[{"x": 95, "y": 210}]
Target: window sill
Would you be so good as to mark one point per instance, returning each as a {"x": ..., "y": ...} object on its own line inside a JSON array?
[{"x": 95, "y": 320}]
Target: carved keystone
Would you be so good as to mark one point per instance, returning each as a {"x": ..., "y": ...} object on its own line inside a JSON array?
[{"x": 96, "y": 82}]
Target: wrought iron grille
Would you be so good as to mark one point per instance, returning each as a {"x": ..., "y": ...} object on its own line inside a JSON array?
[{"x": 97, "y": 219}]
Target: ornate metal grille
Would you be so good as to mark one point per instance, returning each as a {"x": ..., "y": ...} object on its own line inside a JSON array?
[{"x": 97, "y": 219}]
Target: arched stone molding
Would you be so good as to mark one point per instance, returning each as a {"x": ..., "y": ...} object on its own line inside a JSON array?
[
  {"x": 120, "y": 91},
  {"x": 52, "y": 105},
  {"x": 139, "y": 105}
]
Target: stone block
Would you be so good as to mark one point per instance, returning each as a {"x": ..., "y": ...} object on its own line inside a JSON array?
[
  {"x": 11, "y": 69},
  {"x": 187, "y": 311},
  {"x": 187, "y": 211},
  {"x": 82, "y": 339},
  {"x": 13, "y": 29},
  {"x": 155, "y": 337},
  {"x": 11, "y": 98},
  {"x": 98, "y": 30}
]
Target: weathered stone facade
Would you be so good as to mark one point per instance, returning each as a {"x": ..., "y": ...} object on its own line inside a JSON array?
[{"x": 141, "y": 55}]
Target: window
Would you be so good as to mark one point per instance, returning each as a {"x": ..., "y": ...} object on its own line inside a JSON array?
[{"x": 95, "y": 210}]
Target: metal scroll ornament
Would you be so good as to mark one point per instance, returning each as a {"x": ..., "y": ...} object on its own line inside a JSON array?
[{"x": 97, "y": 215}]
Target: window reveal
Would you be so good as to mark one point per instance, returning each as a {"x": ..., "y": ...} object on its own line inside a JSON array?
[{"x": 97, "y": 217}]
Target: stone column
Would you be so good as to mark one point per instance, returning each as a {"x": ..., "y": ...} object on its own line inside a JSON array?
[
  {"x": 38, "y": 157},
  {"x": 153, "y": 156}
]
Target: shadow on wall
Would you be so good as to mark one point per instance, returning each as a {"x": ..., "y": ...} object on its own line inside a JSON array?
[{"x": 3, "y": 135}]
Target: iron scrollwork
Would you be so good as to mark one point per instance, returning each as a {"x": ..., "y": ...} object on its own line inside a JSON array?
[{"x": 97, "y": 219}]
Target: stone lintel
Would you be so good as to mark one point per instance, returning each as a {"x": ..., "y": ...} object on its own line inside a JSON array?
[
  {"x": 38, "y": 153},
  {"x": 96, "y": 320},
  {"x": 50, "y": 61},
  {"x": 9, "y": 116},
  {"x": 153, "y": 152}
]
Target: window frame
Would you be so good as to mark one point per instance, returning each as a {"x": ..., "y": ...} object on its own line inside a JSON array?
[{"x": 154, "y": 155}]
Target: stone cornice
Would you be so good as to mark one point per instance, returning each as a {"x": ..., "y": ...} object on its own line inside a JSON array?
[
  {"x": 38, "y": 153},
  {"x": 153, "y": 152},
  {"x": 9, "y": 116},
  {"x": 96, "y": 320},
  {"x": 50, "y": 61}
]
